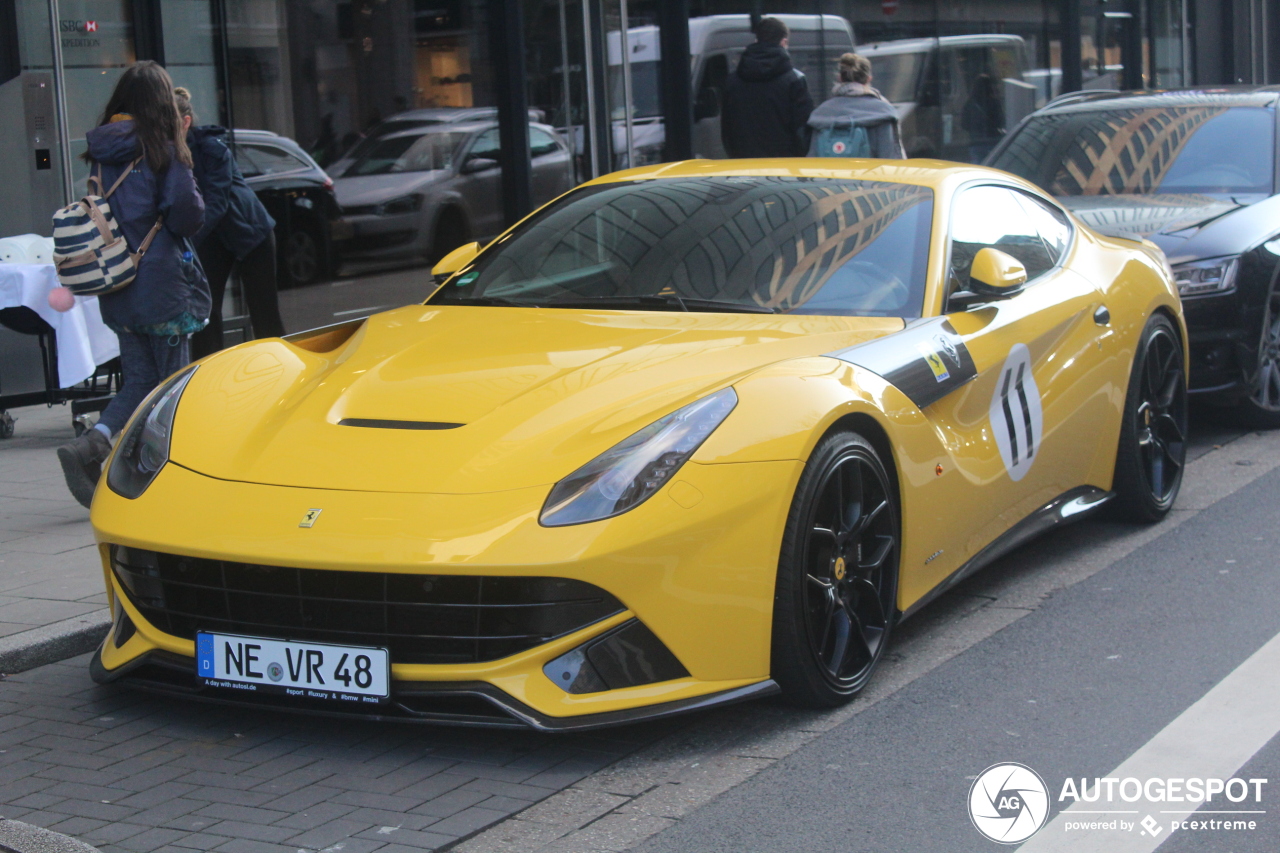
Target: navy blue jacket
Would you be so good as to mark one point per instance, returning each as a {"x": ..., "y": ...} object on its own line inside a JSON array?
[
  {"x": 232, "y": 214},
  {"x": 164, "y": 287}
]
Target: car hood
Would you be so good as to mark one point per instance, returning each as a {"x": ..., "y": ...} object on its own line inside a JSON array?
[
  {"x": 1173, "y": 222},
  {"x": 375, "y": 189},
  {"x": 537, "y": 393}
]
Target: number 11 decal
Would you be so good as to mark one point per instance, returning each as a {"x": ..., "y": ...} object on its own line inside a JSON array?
[{"x": 1016, "y": 417}]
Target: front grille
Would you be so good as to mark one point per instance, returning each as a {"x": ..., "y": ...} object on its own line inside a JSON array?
[{"x": 418, "y": 618}]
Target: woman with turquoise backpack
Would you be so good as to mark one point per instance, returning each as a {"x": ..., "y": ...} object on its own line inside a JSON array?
[{"x": 856, "y": 121}]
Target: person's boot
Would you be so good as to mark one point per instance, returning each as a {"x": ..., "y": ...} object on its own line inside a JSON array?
[{"x": 82, "y": 463}]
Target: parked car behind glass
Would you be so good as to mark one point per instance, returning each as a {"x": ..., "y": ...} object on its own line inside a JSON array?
[
  {"x": 299, "y": 196},
  {"x": 421, "y": 192},
  {"x": 1194, "y": 171}
]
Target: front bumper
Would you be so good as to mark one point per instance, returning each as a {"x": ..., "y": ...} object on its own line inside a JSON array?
[
  {"x": 1216, "y": 330},
  {"x": 699, "y": 574}
]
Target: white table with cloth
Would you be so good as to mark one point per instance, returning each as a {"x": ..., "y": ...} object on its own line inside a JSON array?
[{"x": 83, "y": 341}]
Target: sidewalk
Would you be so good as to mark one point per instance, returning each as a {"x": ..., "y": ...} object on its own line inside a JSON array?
[{"x": 50, "y": 575}]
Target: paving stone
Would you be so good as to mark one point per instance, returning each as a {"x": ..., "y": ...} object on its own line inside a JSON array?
[
  {"x": 451, "y": 803},
  {"x": 329, "y": 833},
  {"x": 316, "y": 815},
  {"x": 468, "y": 821},
  {"x": 254, "y": 831},
  {"x": 410, "y": 839}
]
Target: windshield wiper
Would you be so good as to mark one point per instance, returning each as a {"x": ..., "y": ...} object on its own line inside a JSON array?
[
  {"x": 501, "y": 301},
  {"x": 658, "y": 302}
]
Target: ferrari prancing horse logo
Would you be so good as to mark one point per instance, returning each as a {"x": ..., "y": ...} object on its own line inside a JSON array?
[
  {"x": 309, "y": 519},
  {"x": 1017, "y": 419}
]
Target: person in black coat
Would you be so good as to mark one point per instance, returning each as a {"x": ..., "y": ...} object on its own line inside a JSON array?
[
  {"x": 766, "y": 100},
  {"x": 238, "y": 232}
]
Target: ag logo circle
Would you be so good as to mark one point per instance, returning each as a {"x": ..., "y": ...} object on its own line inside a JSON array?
[
  {"x": 1008, "y": 803},
  {"x": 1016, "y": 417}
]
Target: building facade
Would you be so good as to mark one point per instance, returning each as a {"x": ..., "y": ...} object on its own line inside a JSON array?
[{"x": 331, "y": 73}]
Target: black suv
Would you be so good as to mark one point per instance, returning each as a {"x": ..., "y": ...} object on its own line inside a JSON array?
[{"x": 1194, "y": 171}]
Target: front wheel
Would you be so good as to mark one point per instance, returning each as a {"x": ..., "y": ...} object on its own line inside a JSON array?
[
  {"x": 836, "y": 594},
  {"x": 1261, "y": 409},
  {"x": 1153, "y": 446}
]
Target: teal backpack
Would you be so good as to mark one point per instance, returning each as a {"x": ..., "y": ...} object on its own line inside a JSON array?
[{"x": 843, "y": 140}]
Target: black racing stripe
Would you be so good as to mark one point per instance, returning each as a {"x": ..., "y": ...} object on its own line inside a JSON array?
[
  {"x": 1008, "y": 417},
  {"x": 1026, "y": 412},
  {"x": 899, "y": 360}
]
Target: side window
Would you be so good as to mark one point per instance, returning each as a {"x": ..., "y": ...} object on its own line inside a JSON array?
[
  {"x": 994, "y": 217},
  {"x": 1050, "y": 223},
  {"x": 541, "y": 143},
  {"x": 271, "y": 160},
  {"x": 486, "y": 146},
  {"x": 711, "y": 89}
]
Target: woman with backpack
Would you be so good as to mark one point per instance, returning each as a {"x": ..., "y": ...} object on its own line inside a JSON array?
[
  {"x": 237, "y": 232},
  {"x": 856, "y": 121},
  {"x": 139, "y": 152}
]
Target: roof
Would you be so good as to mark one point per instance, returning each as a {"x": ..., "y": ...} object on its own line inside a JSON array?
[
  {"x": 923, "y": 45},
  {"x": 1218, "y": 96},
  {"x": 929, "y": 173}
]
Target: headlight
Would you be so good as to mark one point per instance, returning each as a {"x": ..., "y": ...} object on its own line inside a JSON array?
[
  {"x": 144, "y": 447},
  {"x": 627, "y": 474},
  {"x": 1215, "y": 275},
  {"x": 403, "y": 204}
]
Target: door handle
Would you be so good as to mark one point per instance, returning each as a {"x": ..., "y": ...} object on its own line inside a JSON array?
[{"x": 1102, "y": 316}]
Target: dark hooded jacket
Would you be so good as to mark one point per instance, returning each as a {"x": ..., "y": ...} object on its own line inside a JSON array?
[
  {"x": 766, "y": 106},
  {"x": 232, "y": 213},
  {"x": 165, "y": 287}
]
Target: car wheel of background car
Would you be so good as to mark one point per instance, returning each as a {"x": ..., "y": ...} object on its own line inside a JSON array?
[
  {"x": 451, "y": 232},
  {"x": 835, "y": 601},
  {"x": 301, "y": 256},
  {"x": 1153, "y": 431},
  {"x": 1262, "y": 407}
]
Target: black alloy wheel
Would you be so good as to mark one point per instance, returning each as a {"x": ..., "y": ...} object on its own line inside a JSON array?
[
  {"x": 836, "y": 598},
  {"x": 1153, "y": 446},
  {"x": 1262, "y": 407},
  {"x": 302, "y": 256}
]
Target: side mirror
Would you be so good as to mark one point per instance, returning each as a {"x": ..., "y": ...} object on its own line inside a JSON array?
[
  {"x": 478, "y": 164},
  {"x": 454, "y": 261},
  {"x": 995, "y": 274}
]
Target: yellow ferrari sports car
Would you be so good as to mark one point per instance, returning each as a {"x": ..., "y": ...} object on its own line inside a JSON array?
[{"x": 689, "y": 434}]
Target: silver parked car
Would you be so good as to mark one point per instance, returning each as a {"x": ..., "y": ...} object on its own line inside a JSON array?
[{"x": 423, "y": 191}]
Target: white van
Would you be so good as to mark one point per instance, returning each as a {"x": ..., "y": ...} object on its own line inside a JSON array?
[{"x": 715, "y": 43}]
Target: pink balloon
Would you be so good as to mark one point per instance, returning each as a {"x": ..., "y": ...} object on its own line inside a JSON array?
[{"x": 61, "y": 299}]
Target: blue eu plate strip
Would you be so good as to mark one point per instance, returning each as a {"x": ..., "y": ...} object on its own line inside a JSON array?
[{"x": 204, "y": 655}]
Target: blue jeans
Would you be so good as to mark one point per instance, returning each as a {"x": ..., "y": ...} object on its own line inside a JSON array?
[{"x": 146, "y": 361}]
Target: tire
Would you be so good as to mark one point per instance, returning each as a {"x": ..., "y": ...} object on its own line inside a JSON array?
[
  {"x": 835, "y": 599},
  {"x": 451, "y": 232},
  {"x": 300, "y": 255},
  {"x": 1260, "y": 408},
  {"x": 1153, "y": 447}
]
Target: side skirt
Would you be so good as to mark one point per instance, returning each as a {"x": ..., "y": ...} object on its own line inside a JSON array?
[{"x": 1072, "y": 505}]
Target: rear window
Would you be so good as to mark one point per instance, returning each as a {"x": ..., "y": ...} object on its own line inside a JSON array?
[
  {"x": 1192, "y": 149},
  {"x": 773, "y": 244}
]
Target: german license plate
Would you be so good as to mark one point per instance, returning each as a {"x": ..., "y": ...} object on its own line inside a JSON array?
[{"x": 302, "y": 669}]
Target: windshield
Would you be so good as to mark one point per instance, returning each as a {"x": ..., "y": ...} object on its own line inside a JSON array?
[
  {"x": 408, "y": 153},
  {"x": 644, "y": 90},
  {"x": 1206, "y": 150},
  {"x": 896, "y": 75},
  {"x": 755, "y": 244}
]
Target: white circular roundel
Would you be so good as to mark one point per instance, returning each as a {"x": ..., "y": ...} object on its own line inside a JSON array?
[
  {"x": 838, "y": 147},
  {"x": 1008, "y": 803},
  {"x": 1016, "y": 417}
]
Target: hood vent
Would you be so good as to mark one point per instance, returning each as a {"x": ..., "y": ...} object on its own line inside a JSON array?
[{"x": 378, "y": 423}]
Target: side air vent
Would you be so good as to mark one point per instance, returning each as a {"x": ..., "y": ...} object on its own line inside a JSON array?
[{"x": 378, "y": 423}]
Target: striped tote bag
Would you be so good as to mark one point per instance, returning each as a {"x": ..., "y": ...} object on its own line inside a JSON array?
[{"x": 91, "y": 255}]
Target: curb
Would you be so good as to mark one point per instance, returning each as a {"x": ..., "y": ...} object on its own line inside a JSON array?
[
  {"x": 52, "y": 643},
  {"x": 19, "y": 837}
]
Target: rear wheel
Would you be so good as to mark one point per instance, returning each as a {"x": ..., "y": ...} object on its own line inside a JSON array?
[
  {"x": 835, "y": 601},
  {"x": 1153, "y": 447},
  {"x": 1262, "y": 407},
  {"x": 301, "y": 256}
]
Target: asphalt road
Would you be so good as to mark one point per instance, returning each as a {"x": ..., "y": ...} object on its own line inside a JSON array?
[
  {"x": 1068, "y": 656},
  {"x": 1074, "y": 689}
]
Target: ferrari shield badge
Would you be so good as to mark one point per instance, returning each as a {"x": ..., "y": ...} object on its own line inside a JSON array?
[{"x": 309, "y": 518}]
